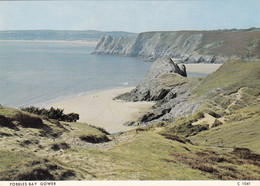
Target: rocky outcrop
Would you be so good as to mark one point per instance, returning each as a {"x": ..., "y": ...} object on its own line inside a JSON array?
[
  {"x": 165, "y": 83},
  {"x": 189, "y": 46},
  {"x": 152, "y": 88}
]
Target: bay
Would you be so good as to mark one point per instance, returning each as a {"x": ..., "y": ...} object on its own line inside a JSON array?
[{"x": 33, "y": 73}]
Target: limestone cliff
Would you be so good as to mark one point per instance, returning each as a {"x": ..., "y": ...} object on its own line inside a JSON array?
[
  {"x": 166, "y": 83},
  {"x": 234, "y": 85},
  {"x": 189, "y": 46},
  {"x": 151, "y": 87}
]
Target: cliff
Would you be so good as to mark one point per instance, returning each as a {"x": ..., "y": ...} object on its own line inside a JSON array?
[
  {"x": 167, "y": 84},
  {"x": 190, "y": 46},
  {"x": 177, "y": 96},
  {"x": 151, "y": 88},
  {"x": 216, "y": 139}
]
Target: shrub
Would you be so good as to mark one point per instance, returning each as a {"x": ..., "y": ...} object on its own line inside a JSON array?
[
  {"x": 72, "y": 117},
  {"x": 52, "y": 113}
]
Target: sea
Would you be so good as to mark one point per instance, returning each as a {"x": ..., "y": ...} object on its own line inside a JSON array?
[{"x": 37, "y": 73}]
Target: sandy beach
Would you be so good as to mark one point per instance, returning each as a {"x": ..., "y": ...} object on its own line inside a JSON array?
[
  {"x": 101, "y": 110},
  {"x": 203, "y": 68}
]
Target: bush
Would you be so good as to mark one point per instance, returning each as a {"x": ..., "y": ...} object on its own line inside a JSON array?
[{"x": 52, "y": 113}]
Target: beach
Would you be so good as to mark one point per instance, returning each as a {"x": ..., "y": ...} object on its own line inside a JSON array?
[
  {"x": 202, "y": 68},
  {"x": 101, "y": 110}
]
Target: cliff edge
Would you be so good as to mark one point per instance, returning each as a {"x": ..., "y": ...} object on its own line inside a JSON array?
[{"x": 189, "y": 46}]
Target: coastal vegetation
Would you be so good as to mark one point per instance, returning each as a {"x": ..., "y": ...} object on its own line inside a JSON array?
[
  {"x": 217, "y": 141},
  {"x": 52, "y": 113},
  {"x": 198, "y": 129}
]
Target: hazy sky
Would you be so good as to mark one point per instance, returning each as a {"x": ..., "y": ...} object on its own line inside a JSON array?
[{"x": 134, "y": 16}]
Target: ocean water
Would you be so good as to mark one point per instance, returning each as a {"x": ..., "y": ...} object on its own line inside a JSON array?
[{"x": 32, "y": 73}]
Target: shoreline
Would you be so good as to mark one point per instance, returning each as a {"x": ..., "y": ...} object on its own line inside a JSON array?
[
  {"x": 88, "y": 43},
  {"x": 63, "y": 98},
  {"x": 98, "y": 108},
  {"x": 101, "y": 110}
]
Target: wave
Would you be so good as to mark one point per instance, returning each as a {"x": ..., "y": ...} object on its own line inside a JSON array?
[
  {"x": 80, "y": 94},
  {"x": 124, "y": 83}
]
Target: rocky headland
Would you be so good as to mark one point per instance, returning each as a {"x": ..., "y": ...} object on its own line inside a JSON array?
[
  {"x": 167, "y": 84},
  {"x": 176, "y": 95},
  {"x": 189, "y": 46},
  {"x": 198, "y": 129}
]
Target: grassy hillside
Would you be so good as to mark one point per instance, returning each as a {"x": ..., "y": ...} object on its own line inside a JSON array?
[
  {"x": 30, "y": 145},
  {"x": 241, "y": 44},
  {"x": 218, "y": 142},
  {"x": 230, "y": 108},
  {"x": 231, "y": 76}
]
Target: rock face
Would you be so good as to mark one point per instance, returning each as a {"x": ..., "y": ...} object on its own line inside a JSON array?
[
  {"x": 189, "y": 46},
  {"x": 151, "y": 89},
  {"x": 165, "y": 82}
]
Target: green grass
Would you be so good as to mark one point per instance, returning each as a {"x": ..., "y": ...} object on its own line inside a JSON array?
[
  {"x": 230, "y": 76},
  {"x": 251, "y": 49},
  {"x": 172, "y": 80},
  {"x": 142, "y": 158},
  {"x": 83, "y": 129},
  {"x": 29, "y": 153},
  {"x": 206, "y": 50},
  {"x": 151, "y": 156},
  {"x": 232, "y": 94},
  {"x": 240, "y": 129},
  {"x": 7, "y": 111},
  {"x": 162, "y": 151},
  {"x": 26, "y": 166}
]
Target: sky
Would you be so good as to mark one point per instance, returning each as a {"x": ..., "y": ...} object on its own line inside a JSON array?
[{"x": 133, "y": 16}]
